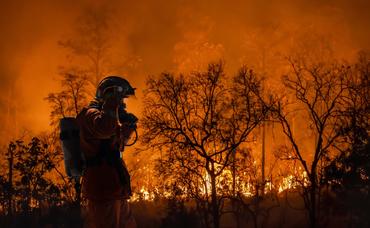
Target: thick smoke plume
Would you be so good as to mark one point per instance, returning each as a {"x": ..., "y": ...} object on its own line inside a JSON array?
[{"x": 162, "y": 36}]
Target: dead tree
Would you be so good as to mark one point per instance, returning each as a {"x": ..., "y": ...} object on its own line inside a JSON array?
[
  {"x": 91, "y": 46},
  {"x": 72, "y": 97},
  {"x": 318, "y": 90},
  {"x": 348, "y": 175},
  {"x": 200, "y": 120}
]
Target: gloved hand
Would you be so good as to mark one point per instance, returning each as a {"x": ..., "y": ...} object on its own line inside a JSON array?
[{"x": 111, "y": 100}]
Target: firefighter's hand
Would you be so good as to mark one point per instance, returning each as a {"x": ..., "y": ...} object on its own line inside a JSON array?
[{"x": 112, "y": 98}]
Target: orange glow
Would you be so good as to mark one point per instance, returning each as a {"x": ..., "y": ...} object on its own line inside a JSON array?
[
  {"x": 150, "y": 37},
  {"x": 247, "y": 189},
  {"x": 181, "y": 37}
]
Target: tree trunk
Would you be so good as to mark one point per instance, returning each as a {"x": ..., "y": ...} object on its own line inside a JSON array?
[
  {"x": 234, "y": 172},
  {"x": 214, "y": 203},
  {"x": 263, "y": 158},
  {"x": 312, "y": 202},
  {"x": 233, "y": 202}
]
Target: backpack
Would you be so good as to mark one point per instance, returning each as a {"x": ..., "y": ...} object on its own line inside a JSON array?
[{"x": 74, "y": 160}]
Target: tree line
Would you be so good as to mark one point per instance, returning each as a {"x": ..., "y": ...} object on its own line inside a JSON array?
[
  {"x": 203, "y": 126},
  {"x": 202, "y": 129}
]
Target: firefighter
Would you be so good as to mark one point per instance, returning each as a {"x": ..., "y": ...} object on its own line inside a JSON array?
[{"x": 106, "y": 182}]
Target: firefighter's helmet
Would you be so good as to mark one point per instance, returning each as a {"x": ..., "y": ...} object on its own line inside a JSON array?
[{"x": 123, "y": 87}]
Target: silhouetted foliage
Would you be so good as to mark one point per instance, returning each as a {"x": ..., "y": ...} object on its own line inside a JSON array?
[
  {"x": 29, "y": 192},
  {"x": 32, "y": 163},
  {"x": 200, "y": 121},
  {"x": 318, "y": 88},
  {"x": 178, "y": 215},
  {"x": 349, "y": 173},
  {"x": 71, "y": 99}
]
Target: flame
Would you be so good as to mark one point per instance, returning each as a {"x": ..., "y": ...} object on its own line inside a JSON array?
[
  {"x": 143, "y": 194},
  {"x": 287, "y": 183},
  {"x": 224, "y": 184},
  {"x": 293, "y": 181}
]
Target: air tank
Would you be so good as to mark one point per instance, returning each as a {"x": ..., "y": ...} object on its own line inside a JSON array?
[{"x": 70, "y": 141}]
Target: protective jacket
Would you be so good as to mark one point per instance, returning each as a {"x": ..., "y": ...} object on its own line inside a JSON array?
[{"x": 106, "y": 176}]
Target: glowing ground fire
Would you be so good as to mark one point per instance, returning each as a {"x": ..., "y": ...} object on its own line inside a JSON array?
[{"x": 225, "y": 183}]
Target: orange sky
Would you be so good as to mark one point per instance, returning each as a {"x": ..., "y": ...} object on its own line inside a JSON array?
[{"x": 165, "y": 36}]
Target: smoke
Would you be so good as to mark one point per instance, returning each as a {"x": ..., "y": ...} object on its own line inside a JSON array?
[{"x": 162, "y": 36}]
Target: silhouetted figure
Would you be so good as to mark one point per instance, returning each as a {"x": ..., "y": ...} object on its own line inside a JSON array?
[{"x": 105, "y": 127}]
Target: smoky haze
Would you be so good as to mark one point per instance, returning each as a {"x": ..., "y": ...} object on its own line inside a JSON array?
[{"x": 163, "y": 36}]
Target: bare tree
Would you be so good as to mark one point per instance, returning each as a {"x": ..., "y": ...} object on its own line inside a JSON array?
[
  {"x": 318, "y": 89},
  {"x": 349, "y": 173},
  {"x": 92, "y": 45},
  {"x": 199, "y": 121},
  {"x": 71, "y": 99}
]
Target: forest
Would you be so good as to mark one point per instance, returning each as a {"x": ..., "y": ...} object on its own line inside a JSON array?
[{"x": 279, "y": 138}]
